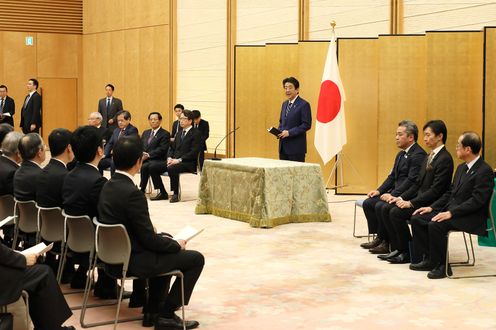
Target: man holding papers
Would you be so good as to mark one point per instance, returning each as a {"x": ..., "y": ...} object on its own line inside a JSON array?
[{"x": 152, "y": 254}]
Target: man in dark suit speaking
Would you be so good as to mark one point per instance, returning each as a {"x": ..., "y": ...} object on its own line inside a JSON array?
[
  {"x": 109, "y": 106},
  {"x": 31, "y": 109},
  {"x": 294, "y": 122},
  {"x": 152, "y": 254},
  {"x": 463, "y": 207},
  {"x": 7, "y": 107}
]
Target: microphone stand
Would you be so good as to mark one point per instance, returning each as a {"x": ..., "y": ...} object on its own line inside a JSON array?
[{"x": 215, "y": 151}]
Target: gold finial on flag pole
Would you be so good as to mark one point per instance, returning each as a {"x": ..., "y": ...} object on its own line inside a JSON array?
[{"x": 333, "y": 26}]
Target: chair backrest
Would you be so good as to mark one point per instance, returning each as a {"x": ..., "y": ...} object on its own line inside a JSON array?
[
  {"x": 112, "y": 244},
  {"x": 7, "y": 204},
  {"x": 51, "y": 223},
  {"x": 79, "y": 232},
  {"x": 28, "y": 216}
]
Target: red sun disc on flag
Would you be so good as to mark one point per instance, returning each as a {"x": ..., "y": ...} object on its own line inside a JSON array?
[{"x": 329, "y": 102}]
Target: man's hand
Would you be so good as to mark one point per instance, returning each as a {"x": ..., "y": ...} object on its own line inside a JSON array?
[
  {"x": 443, "y": 216},
  {"x": 373, "y": 193},
  {"x": 110, "y": 121},
  {"x": 283, "y": 134},
  {"x": 404, "y": 204},
  {"x": 385, "y": 197},
  {"x": 182, "y": 243},
  {"x": 32, "y": 127},
  {"x": 31, "y": 259},
  {"x": 172, "y": 161},
  {"x": 393, "y": 200},
  {"x": 423, "y": 210},
  {"x": 146, "y": 155}
]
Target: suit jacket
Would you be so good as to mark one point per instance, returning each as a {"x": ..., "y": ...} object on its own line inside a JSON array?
[
  {"x": 25, "y": 181},
  {"x": 81, "y": 190},
  {"x": 49, "y": 184},
  {"x": 468, "y": 198},
  {"x": 129, "y": 130},
  {"x": 122, "y": 202},
  {"x": 405, "y": 171},
  {"x": 158, "y": 146},
  {"x": 105, "y": 133},
  {"x": 186, "y": 148},
  {"x": 31, "y": 113},
  {"x": 7, "y": 170},
  {"x": 432, "y": 182},
  {"x": 204, "y": 129},
  {"x": 297, "y": 122},
  {"x": 115, "y": 107},
  {"x": 8, "y": 107},
  {"x": 12, "y": 266},
  {"x": 175, "y": 128}
]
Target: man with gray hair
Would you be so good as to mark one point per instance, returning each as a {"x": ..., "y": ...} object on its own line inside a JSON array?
[
  {"x": 32, "y": 150},
  {"x": 95, "y": 119},
  {"x": 405, "y": 171},
  {"x": 4, "y": 130}
]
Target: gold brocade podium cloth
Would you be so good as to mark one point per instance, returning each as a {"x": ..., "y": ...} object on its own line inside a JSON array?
[{"x": 263, "y": 192}]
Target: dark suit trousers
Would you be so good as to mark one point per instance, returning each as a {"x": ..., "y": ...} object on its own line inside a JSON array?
[
  {"x": 104, "y": 164},
  {"x": 294, "y": 157},
  {"x": 201, "y": 159},
  {"x": 373, "y": 209},
  {"x": 145, "y": 172},
  {"x": 155, "y": 169},
  {"x": 174, "y": 171},
  {"x": 7, "y": 120},
  {"x": 430, "y": 238},
  {"x": 398, "y": 227},
  {"x": 47, "y": 306}
]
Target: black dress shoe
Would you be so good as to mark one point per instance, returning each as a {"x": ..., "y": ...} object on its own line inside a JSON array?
[
  {"x": 70, "y": 327},
  {"x": 174, "y": 198},
  {"x": 424, "y": 265},
  {"x": 149, "y": 319},
  {"x": 381, "y": 248},
  {"x": 389, "y": 255},
  {"x": 439, "y": 272},
  {"x": 402, "y": 258},
  {"x": 135, "y": 303},
  {"x": 111, "y": 294},
  {"x": 160, "y": 197},
  {"x": 174, "y": 323},
  {"x": 372, "y": 244}
]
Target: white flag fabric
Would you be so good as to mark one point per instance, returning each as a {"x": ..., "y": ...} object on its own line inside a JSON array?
[{"x": 330, "y": 129}]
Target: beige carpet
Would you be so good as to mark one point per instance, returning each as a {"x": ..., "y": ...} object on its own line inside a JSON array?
[{"x": 312, "y": 276}]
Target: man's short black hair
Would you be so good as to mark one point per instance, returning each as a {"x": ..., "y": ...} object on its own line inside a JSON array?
[
  {"x": 85, "y": 142},
  {"x": 4, "y": 130},
  {"x": 29, "y": 145},
  {"x": 179, "y": 105},
  {"x": 125, "y": 113},
  {"x": 437, "y": 126},
  {"x": 127, "y": 151},
  {"x": 291, "y": 80},
  {"x": 188, "y": 114},
  {"x": 155, "y": 113},
  {"x": 472, "y": 140},
  {"x": 3, "y": 86},
  {"x": 35, "y": 82},
  {"x": 196, "y": 114},
  {"x": 58, "y": 141},
  {"x": 111, "y": 86}
]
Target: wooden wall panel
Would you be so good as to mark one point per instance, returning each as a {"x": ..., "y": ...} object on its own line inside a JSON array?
[
  {"x": 359, "y": 68},
  {"x": 402, "y": 93},
  {"x": 250, "y": 138},
  {"x": 58, "y": 55},
  {"x": 59, "y": 104},
  {"x": 490, "y": 97},
  {"x": 454, "y": 81}
]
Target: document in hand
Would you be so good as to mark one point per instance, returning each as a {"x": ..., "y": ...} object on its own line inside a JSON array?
[
  {"x": 38, "y": 249},
  {"x": 274, "y": 131},
  {"x": 6, "y": 221},
  {"x": 188, "y": 233}
]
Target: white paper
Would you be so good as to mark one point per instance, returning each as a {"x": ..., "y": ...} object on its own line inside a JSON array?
[
  {"x": 38, "y": 249},
  {"x": 6, "y": 221},
  {"x": 187, "y": 233}
]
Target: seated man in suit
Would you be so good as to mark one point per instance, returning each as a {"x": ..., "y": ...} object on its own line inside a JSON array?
[
  {"x": 80, "y": 194},
  {"x": 7, "y": 107},
  {"x": 32, "y": 150},
  {"x": 152, "y": 254},
  {"x": 9, "y": 161},
  {"x": 47, "y": 306},
  {"x": 49, "y": 182},
  {"x": 433, "y": 181},
  {"x": 124, "y": 127},
  {"x": 463, "y": 207},
  {"x": 403, "y": 174},
  {"x": 176, "y": 127},
  {"x": 95, "y": 119},
  {"x": 182, "y": 157},
  {"x": 203, "y": 127},
  {"x": 4, "y": 130},
  {"x": 156, "y": 144}
]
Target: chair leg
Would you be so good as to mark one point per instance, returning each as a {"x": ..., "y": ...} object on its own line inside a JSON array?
[
  {"x": 121, "y": 291},
  {"x": 61, "y": 262},
  {"x": 182, "y": 300},
  {"x": 25, "y": 296},
  {"x": 354, "y": 226}
]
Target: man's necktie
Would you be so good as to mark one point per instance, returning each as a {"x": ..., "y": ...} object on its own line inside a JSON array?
[
  {"x": 108, "y": 103},
  {"x": 151, "y": 137},
  {"x": 1, "y": 107},
  {"x": 183, "y": 134},
  {"x": 288, "y": 108},
  {"x": 26, "y": 100},
  {"x": 429, "y": 160},
  {"x": 121, "y": 133}
]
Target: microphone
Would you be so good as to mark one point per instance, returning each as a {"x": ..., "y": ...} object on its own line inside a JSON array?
[{"x": 215, "y": 151}]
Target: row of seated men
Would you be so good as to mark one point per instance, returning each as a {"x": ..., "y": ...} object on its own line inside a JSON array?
[
  {"x": 419, "y": 190},
  {"x": 84, "y": 191},
  {"x": 163, "y": 153}
]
